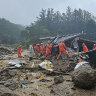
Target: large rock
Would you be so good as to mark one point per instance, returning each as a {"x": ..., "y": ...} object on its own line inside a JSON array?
[{"x": 84, "y": 76}]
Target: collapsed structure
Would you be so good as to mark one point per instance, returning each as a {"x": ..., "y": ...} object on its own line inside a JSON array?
[{"x": 74, "y": 43}]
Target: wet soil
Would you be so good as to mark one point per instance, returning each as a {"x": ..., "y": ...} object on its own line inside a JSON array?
[
  {"x": 42, "y": 84},
  {"x": 65, "y": 65}
]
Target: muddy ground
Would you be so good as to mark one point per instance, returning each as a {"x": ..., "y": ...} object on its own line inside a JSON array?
[{"x": 41, "y": 84}]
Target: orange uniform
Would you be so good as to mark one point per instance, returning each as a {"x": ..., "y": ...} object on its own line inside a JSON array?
[
  {"x": 42, "y": 49},
  {"x": 36, "y": 48},
  {"x": 62, "y": 49},
  {"x": 19, "y": 50},
  {"x": 48, "y": 50},
  {"x": 85, "y": 49}
]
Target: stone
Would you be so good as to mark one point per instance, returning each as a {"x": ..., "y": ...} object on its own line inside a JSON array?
[
  {"x": 58, "y": 79},
  {"x": 84, "y": 77},
  {"x": 12, "y": 72}
]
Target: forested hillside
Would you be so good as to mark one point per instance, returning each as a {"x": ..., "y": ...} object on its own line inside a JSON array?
[
  {"x": 9, "y": 32},
  {"x": 52, "y": 23}
]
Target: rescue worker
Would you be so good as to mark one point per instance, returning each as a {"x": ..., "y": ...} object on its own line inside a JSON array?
[
  {"x": 85, "y": 49},
  {"x": 19, "y": 50},
  {"x": 62, "y": 49},
  {"x": 36, "y": 48},
  {"x": 75, "y": 45},
  {"x": 94, "y": 46},
  {"x": 42, "y": 49},
  {"x": 31, "y": 52},
  {"x": 48, "y": 50}
]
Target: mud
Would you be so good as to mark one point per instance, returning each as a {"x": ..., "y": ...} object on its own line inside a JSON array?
[
  {"x": 38, "y": 82},
  {"x": 65, "y": 65},
  {"x": 58, "y": 79},
  {"x": 67, "y": 88}
]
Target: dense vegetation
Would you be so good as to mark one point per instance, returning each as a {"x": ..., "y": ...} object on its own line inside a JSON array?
[
  {"x": 53, "y": 23},
  {"x": 49, "y": 23},
  {"x": 9, "y": 33}
]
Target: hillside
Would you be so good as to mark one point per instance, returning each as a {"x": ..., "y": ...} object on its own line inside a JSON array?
[{"x": 9, "y": 32}]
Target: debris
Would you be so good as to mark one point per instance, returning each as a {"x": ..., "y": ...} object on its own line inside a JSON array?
[
  {"x": 25, "y": 82},
  {"x": 64, "y": 66},
  {"x": 84, "y": 76},
  {"x": 12, "y": 84},
  {"x": 42, "y": 57},
  {"x": 5, "y": 51},
  {"x": 36, "y": 75},
  {"x": 46, "y": 65},
  {"x": 4, "y": 91},
  {"x": 79, "y": 64},
  {"x": 33, "y": 94},
  {"x": 24, "y": 85},
  {"x": 16, "y": 63},
  {"x": 7, "y": 74},
  {"x": 12, "y": 72},
  {"x": 92, "y": 58},
  {"x": 45, "y": 80},
  {"x": 4, "y": 75},
  {"x": 58, "y": 79}
]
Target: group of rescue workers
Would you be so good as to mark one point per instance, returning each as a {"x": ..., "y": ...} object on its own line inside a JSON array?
[
  {"x": 46, "y": 51},
  {"x": 42, "y": 50}
]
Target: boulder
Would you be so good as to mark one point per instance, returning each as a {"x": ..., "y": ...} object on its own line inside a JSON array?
[{"x": 84, "y": 77}]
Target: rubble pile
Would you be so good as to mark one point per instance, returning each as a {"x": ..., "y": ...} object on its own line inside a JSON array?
[
  {"x": 12, "y": 84},
  {"x": 47, "y": 78},
  {"x": 4, "y": 51},
  {"x": 84, "y": 76},
  {"x": 7, "y": 74},
  {"x": 4, "y": 91},
  {"x": 64, "y": 66},
  {"x": 63, "y": 89}
]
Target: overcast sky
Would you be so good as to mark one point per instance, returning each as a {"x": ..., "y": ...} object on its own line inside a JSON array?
[{"x": 25, "y": 11}]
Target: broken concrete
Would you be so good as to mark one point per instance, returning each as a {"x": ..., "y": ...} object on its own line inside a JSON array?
[{"x": 84, "y": 77}]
